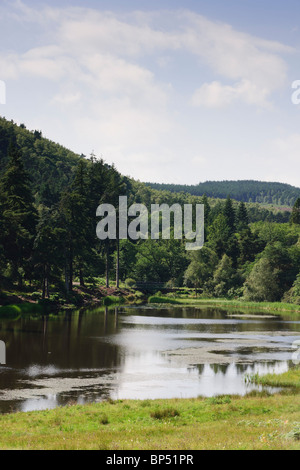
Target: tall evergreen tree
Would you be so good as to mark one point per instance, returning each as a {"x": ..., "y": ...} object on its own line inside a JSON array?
[
  {"x": 48, "y": 249},
  {"x": 18, "y": 214},
  {"x": 295, "y": 215},
  {"x": 74, "y": 207},
  {"x": 229, "y": 214},
  {"x": 242, "y": 219},
  {"x": 204, "y": 201}
]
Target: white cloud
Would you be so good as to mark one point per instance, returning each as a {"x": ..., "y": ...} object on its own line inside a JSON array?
[
  {"x": 255, "y": 65},
  {"x": 216, "y": 95},
  {"x": 110, "y": 85}
]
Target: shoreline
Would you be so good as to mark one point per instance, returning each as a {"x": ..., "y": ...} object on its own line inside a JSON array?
[
  {"x": 94, "y": 298},
  {"x": 255, "y": 421}
]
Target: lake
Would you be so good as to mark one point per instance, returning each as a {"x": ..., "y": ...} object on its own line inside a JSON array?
[{"x": 139, "y": 353}]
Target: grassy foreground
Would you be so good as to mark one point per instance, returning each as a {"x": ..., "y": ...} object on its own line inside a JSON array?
[{"x": 258, "y": 421}]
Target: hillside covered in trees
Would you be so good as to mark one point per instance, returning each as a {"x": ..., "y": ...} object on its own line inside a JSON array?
[
  {"x": 246, "y": 191},
  {"x": 48, "y": 242}
]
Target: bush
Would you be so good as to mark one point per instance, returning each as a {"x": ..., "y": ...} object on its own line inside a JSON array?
[
  {"x": 104, "y": 419},
  {"x": 167, "y": 413},
  {"x": 74, "y": 299},
  {"x": 130, "y": 282},
  {"x": 156, "y": 299},
  {"x": 10, "y": 311},
  {"x": 36, "y": 295},
  {"x": 112, "y": 299},
  {"x": 55, "y": 297},
  {"x": 130, "y": 298},
  {"x": 220, "y": 400}
]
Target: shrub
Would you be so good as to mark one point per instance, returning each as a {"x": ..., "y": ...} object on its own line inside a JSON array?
[
  {"x": 130, "y": 282},
  {"x": 167, "y": 413},
  {"x": 10, "y": 311},
  {"x": 104, "y": 419},
  {"x": 220, "y": 400},
  {"x": 112, "y": 299},
  {"x": 36, "y": 295},
  {"x": 155, "y": 299}
]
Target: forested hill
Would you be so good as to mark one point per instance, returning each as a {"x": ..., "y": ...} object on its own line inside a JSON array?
[
  {"x": 51, "y": 166},
  {"x": 48, "y": 241},
  {"x": 246, "y": 191}
]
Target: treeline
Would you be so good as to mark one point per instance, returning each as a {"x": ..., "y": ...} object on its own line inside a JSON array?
[
  {"x": 257, "y": 262},
  {"x": 246, "y": 191},
  {"x": 48, "y": 230}
]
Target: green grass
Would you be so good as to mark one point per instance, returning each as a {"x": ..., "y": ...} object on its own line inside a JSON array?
[
  {"x": 112, "y": 300},
  {"x": 160, "y": 299},
  {"x": 233, "y": 423},
  {"x": 257, "y": 421},
  {"x": 290, "y": 379},
  {"x": 26, "y": 308},
  {"x": 263, "y": 306}
]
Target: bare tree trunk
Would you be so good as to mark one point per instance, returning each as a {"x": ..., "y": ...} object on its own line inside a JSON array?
[
  {"x": 47, "y": 281},
  {"x": 81, "y": 279},
  {"x": 71, "y": 269},
  {"x": 107, "y": 265},
  {"x": 66, "y": 272},
  {"x": 44, "y": 282},
  {"x": 118, "y": 265}
]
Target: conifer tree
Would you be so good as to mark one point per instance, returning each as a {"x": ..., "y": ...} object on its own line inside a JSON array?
[
  {"x": 295, "y": 215},
  {"x": 18, "y": 214},
  {"x": 242, "y": 219},
  {"x": 229, "y": 214}
]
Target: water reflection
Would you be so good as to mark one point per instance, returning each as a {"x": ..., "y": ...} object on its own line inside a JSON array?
[{"x": 138, "y": 353}]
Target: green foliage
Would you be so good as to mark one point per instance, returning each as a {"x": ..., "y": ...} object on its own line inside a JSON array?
[
  {"x": 246, "y": 191},
  {"x": 18, "y": 216},
  {"x": 129, "y": 282},
  {"x": 220, "y": 400},
  {"x": 159, "y": 299},
  {"x": 224, "y": 277},
  {"x": 293, "y": 295},
  {"x": 48, "y": 202},
  {"x": 166, "y": 413},
  {"x": 201, "y": 268},
  {"x": 295, "y": 215},
  {"x": 112, "y": 300},
  {"x": 262, "y": 283}
]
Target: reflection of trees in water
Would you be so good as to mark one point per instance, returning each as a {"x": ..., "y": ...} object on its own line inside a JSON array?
[
  {"x": 69, "y": 342},
  {"x": 239, "y": 368}
]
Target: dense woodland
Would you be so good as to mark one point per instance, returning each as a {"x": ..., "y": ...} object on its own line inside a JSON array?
[
  {"x": 48, "y": 202},
  {"x": 246, "y": 191}
]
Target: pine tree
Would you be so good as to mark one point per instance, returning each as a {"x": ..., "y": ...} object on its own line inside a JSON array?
[
  {"x": 295, "y": 215},
  {"x": 19, "y": 216},
  {"x": 204, "y": 201},
  {"x": 242, "y": 219},
  {"x": 229, "y": 214},
  {"x": 74, "y": 208},
  {"x": 48, "y": 248}
]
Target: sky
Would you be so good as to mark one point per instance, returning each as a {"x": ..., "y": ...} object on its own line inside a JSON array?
[{"x": 168, "y": 91}]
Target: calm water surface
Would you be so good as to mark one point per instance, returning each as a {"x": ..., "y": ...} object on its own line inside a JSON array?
[{"x": 139, "y": 353}]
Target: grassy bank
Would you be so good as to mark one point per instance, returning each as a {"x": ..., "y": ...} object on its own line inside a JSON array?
[
  {"x": 268, "y": 306},
  {"x": 229, "y": 422},
  {"x": 16, "y": 302}
]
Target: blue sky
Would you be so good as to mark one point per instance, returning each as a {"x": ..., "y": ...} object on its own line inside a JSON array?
[{"x": 168, "y": 91}]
